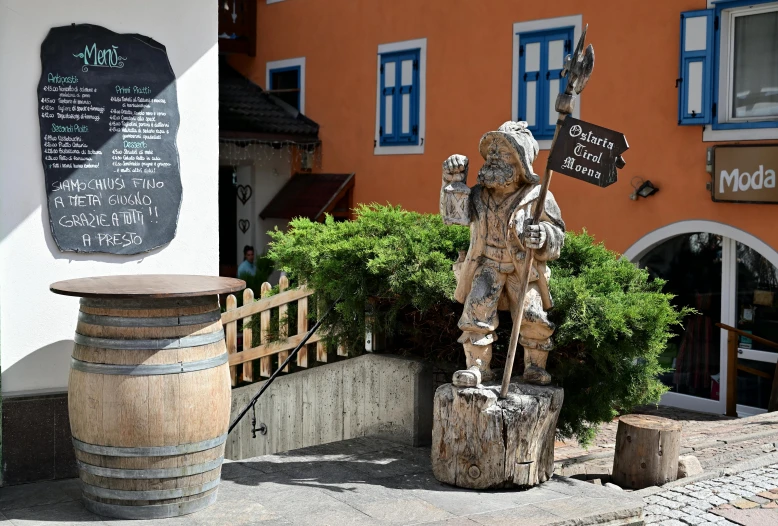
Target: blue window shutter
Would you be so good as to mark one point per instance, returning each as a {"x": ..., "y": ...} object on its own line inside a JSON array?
[
  {"x": 400, "y": 88},
  {"x": 530, "y": 82},
  {"x": 387, "y": 128},
  {"x": 537, "y": 72},
  {"x": 695, "y": 78}
]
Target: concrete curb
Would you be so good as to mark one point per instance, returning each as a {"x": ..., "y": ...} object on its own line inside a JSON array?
[{"x": 746, "y": 465}]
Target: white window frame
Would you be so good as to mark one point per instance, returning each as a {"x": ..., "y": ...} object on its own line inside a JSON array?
[
  {"x": 273, "y": 1},
  {"x": 288, "y": 63},
  {"x": 724, "y": 102},
  {"x": 727, "y": 54},
  {"x": 421, "y": 45},
  {"x": 538, "y": 25}
]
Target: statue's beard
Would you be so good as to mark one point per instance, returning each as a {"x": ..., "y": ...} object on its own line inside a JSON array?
[{"x": 496, "y": 174}]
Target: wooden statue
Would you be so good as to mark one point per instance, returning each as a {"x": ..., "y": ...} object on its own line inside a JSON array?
[
  {"x": 494, "y": 435},
  {"x": 499, "y": 211}
]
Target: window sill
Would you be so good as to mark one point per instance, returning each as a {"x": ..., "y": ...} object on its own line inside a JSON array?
[
  {"x": 399, "y": 150},
  {"x": 741, "y": 134}
]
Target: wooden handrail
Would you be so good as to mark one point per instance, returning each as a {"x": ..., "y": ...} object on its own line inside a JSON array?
[
  {"x": 733, "y": 367},
  {"x": 748, "y": 335}
]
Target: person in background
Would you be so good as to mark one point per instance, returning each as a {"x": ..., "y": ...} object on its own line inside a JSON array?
[{"x": 247, "y": 267}]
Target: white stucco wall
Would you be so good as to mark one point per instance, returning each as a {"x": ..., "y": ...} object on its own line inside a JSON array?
[{"x": 36, "y": 326}]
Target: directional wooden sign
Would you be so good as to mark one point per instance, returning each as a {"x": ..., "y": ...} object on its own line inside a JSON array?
[{"x": 588, "y": 152}]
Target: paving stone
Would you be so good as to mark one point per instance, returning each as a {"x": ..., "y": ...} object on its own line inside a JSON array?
[
  {"x": 754, "y": 490},
  {"x": 667, "y": 503},
  {"x": 704, "y": 494},
  {"x": 770, "y": 505},
  {"x": 521, "y": 516},
  {"x": 744, "y": 504},
  {"x": 40, "y": 494},
  {"x": 654, "y": 509},
  {"x": 689, "y": 519},
  {"x": 752, "y": 517},
  {"x": 715, "y": 500},
  {"x": 402, "y": 511},
  {"x": 728, "y": 497},
  {"x": 672, "y": 522},
  {"x": 758, "y": 499}
]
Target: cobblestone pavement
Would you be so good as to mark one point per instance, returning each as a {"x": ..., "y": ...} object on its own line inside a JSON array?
[
  {"x": 699, "y": 429},
  {"x": 703, "y": 503}
]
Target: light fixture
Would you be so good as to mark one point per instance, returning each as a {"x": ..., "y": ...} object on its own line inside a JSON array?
[{"x": 642, "y": 188}]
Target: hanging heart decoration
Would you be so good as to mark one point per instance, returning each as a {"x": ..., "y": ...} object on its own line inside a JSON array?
[
  {"x": 244, "y": 193},
  {"x": 244, "y": 225}
]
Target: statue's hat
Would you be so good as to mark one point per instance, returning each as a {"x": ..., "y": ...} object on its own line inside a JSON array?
[{"x": 517, "y": 135}]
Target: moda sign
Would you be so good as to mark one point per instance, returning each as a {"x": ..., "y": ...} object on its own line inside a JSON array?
[{"x": 745, "y": 174}]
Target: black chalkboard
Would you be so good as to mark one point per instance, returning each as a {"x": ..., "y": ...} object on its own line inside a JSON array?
[
  {"x": 109, "y": 118},
  {"x": 588, "y": 152}
]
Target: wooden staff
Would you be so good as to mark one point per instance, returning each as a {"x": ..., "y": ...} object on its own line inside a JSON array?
[{"x": 578, "y": 69}]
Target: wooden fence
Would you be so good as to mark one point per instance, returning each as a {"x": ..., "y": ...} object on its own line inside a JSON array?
[{"x": 243, "y": 356}]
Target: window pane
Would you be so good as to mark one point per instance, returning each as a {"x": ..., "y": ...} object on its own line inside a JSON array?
[
  {"x": 696, "y": 33},
  {"x": 757, "y": 310},
  {"x": 532, "y": 54},
  {"x": 406, "y": 126},
  {"x": 553, "y": 91},
  {"x": 390, "y": 74},
  {"x": 288, "y": 79},
  {"x": 388, "y": 116},
  {"x": 691, "y": 264},
  {"x": 407, "y": 73},
  {"x": 531, "y": 102},
  {"x": 694, "y": 88},
  {"x": 288, "y": 82},
  {"x": 556, "y": 54},
  {"x": 755, "y": 70},
  {"x": 753, "y": 390}
]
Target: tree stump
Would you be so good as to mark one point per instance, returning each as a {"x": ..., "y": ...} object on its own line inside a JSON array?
[
  {"x": 647, "y": 449},
  {"x": 482, "y": 442}
]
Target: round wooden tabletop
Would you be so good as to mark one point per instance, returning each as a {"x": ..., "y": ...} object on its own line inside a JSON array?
[{"x": 147, "y": 286}]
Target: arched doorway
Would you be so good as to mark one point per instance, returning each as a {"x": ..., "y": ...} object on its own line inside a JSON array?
[{"x": 729, "y": 276}]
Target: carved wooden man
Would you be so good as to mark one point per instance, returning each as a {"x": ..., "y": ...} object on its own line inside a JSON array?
[{"x": 498, "y": 209}]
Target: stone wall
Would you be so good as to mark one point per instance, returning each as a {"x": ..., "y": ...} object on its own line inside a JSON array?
[{"x": 372, "y": 395}]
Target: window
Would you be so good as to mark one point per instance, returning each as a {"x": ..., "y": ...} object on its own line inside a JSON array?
[
  {"x": 401, "y": 98},
  {"x": 541, "y": 58},
  {"x": 539, "y": 51},
  {"x": 286, "y": 80},
  {"x": 729, "y": 70}
]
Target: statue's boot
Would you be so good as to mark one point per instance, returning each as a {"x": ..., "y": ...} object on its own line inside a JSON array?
[
  {"x": 478, "y": 357},
  {"x": 535, "y": 358}
]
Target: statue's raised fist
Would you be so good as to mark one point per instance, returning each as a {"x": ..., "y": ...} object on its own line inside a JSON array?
[{"x": 455, "y": 168}]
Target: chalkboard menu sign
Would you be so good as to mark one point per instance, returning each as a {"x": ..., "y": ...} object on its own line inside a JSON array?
[{"x": 109, "y": 118}]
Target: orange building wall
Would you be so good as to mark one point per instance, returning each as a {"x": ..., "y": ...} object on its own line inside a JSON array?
[{"x": 469, "y": 87}]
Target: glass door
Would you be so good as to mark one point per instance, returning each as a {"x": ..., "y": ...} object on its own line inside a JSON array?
[
  {"x": 755, "y": 312},
  {"x": 692, "y": 265}
]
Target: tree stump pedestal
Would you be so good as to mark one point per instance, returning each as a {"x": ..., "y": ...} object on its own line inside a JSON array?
[
  {"x": 647, "y": 449},
  {"x": 480, "y": 441}
]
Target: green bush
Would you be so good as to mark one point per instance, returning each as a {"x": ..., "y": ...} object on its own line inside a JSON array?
[{"x": 612, "y": 320}]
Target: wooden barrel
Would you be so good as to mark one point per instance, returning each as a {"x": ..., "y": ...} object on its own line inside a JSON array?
[{"x": 149, "y": 402}]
